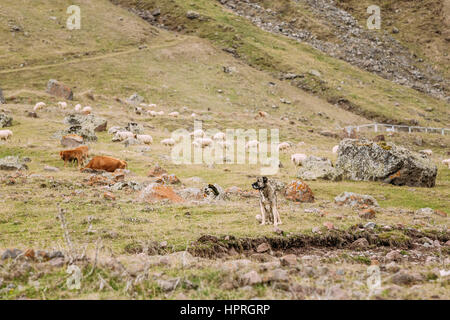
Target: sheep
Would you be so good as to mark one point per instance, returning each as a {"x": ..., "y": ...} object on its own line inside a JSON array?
[
  {"x": 78, "y": 108},
  {"x": 5, "y": 134},
  {"x": 284, "y": 146},
  {"x": 219, "y": 136},
  {"x": 202, "y": 142},
  {"x": 335, "y": 149},
  {"x": 174, "y": 114},
  {"x": 262, "y": 114},
  {"x": 199, "y": 133},
  {"x": 193, "y": 115},
  {"x": 224, "y": 144},
  {"x": 160, "y": 113},
  {"x": 168, "y": 142},
  {"x": 39, "y": 106},
  {"x": 428, "y": 152},
  {"x": 152, "y": 105},
  {"x": 123, "y": 135},
  {"x": 298, "y": 158},
  {"x": 447, "y": 162},
  {"x": 144, "y": 138},
  {"x": 301, "y": 143},
  {"x": 62, "y": 104},
  {"x": 251, "y": 144},
  {"x": 87, "y": 110},
  {"x": 152, "y": 113}
]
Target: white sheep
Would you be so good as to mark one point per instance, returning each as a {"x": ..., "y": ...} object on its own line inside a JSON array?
[
  {"x": 168, "y": 142},
  {"x": 123, "y": 135},
  {"x": 62, "y": 104},
  {"x": 428, "y": 152},
  {"x": 5, "y": 134},
  {"x": 114, "y": 130},
  {"x": 219, "y": 136},
  {"x": 447, "y": 162},
  {"x": 152, "y": 113},
  {"x": 202, "y": 142},
  {"x": 78, "y": 108},
  {"x": 39, "y": 106},
  {"x": 145, "y": 138},
  {"x": 284, "y": 146},
  {"x": 335, "y": 149},
  {"x": 160, "y": 113},
  {"x": 152, "y": 105},
  {"x": 193, "y": 115},
  {"x": 87, "y": 110},
  {"x": 298, "y": 158},
  {"x": 251, "y": 144},
  {"x": 199, "y": 133},
  {"x": 224, "y": 144},
  {"x": 174, "y": 114}
]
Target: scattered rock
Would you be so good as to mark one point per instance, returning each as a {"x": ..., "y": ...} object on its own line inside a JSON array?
[
  {"x": 289, "y": 260},
  {"x": 156, "y": 192},
  {"x": 328, "y": 225},
  {"x": 50, "y": 168},
  {"x": 168, "y": 285},
  {"x": 251, "y": 278},
  {"x": 109, "y": 196},
  {"x": 361, "y": 243},
  {"x": 392, "y": 267},
  {"x": 11, "y": 254},
  {"x": 404, "y": 278},
  {"x": 425, "y": 211},
  {"x": 11, "y": 163},
  {"x": 277, "y": 275},
  {"x": 355, "y": 200},
  {"x": 393, "y": 255},
  {"x": 135, "y": 99},
  {"x": 192, "y": 15},
  {"x": 134, "y": 128},
  {"x": 299, "y": 191},
  {"x": 367, "y": 214},
  {"x": 263, "y": 247},
  {"x": 5, "y": 120},
  {"x": 2, "y": 98},
  {"x": 59, "y": 89}
]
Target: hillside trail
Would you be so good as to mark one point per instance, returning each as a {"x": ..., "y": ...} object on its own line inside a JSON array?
[{"x": 98, "y": 57}]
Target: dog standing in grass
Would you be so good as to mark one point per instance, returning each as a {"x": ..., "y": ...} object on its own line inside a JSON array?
[{"x": 268, "y": 200}]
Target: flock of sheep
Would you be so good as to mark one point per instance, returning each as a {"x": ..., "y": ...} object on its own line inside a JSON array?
[{"x": 201, "y": 139}]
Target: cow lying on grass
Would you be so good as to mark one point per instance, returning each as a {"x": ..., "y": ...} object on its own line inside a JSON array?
[{"x": 105, "y": 163}]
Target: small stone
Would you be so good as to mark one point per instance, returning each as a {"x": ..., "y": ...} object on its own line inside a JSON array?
[
  {"x": 289, "y": 260},
  {"x": 277, "y": 275},
  {"x": 360, "y": 243},
  {"x": 367, "y": 214},
  {"x": 393, "y": 255},
  {"x": 109, "y": 196},
  {"x": 11, "y": 254},
  {"x": 251, "y": 278},
  {"x": 263, "y": 247},
  {"x": 329, "y": 225},
  {"x": 51, "y": 169},
  {"x": 370, "y": 225},
  {"x": 392, "y": 267}
]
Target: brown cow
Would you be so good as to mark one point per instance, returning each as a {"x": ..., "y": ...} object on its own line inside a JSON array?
[
  {"x": 84, "y": 150},
  {"x": 105, "y": 163},
  {"x": 71, "y": 155}
]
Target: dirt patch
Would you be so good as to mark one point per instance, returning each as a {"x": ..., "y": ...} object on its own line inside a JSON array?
[{"x": 208, "y": 246}]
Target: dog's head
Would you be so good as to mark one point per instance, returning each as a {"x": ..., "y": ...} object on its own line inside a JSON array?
[{"x": 260, "y": 183}]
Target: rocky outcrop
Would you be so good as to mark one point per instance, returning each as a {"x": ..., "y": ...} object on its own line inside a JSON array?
[
  {"x": 314, "y": 168},
  {"x": 369, "y": 50},
  {"x": 58, "y": 89},
  {"x": 85, "y": 125},
  {"x": 371, "y": 161},
  {"x": 5, "y": 120}
]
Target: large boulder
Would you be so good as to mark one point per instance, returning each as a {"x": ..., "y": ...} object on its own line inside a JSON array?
[
  {"x": 314, "y": 168},
  {"x": 85, "y": 125},
  {"x": 371, "y": 161},
  {"x": 97, "y": 124},
  {"x": 12, "y": 163},
  {"x": 72, "y": 140},
  {"x": 2, "y": 98},
  {"x": 5, "y": 120},
  {"x": 59, "y": 89}
]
